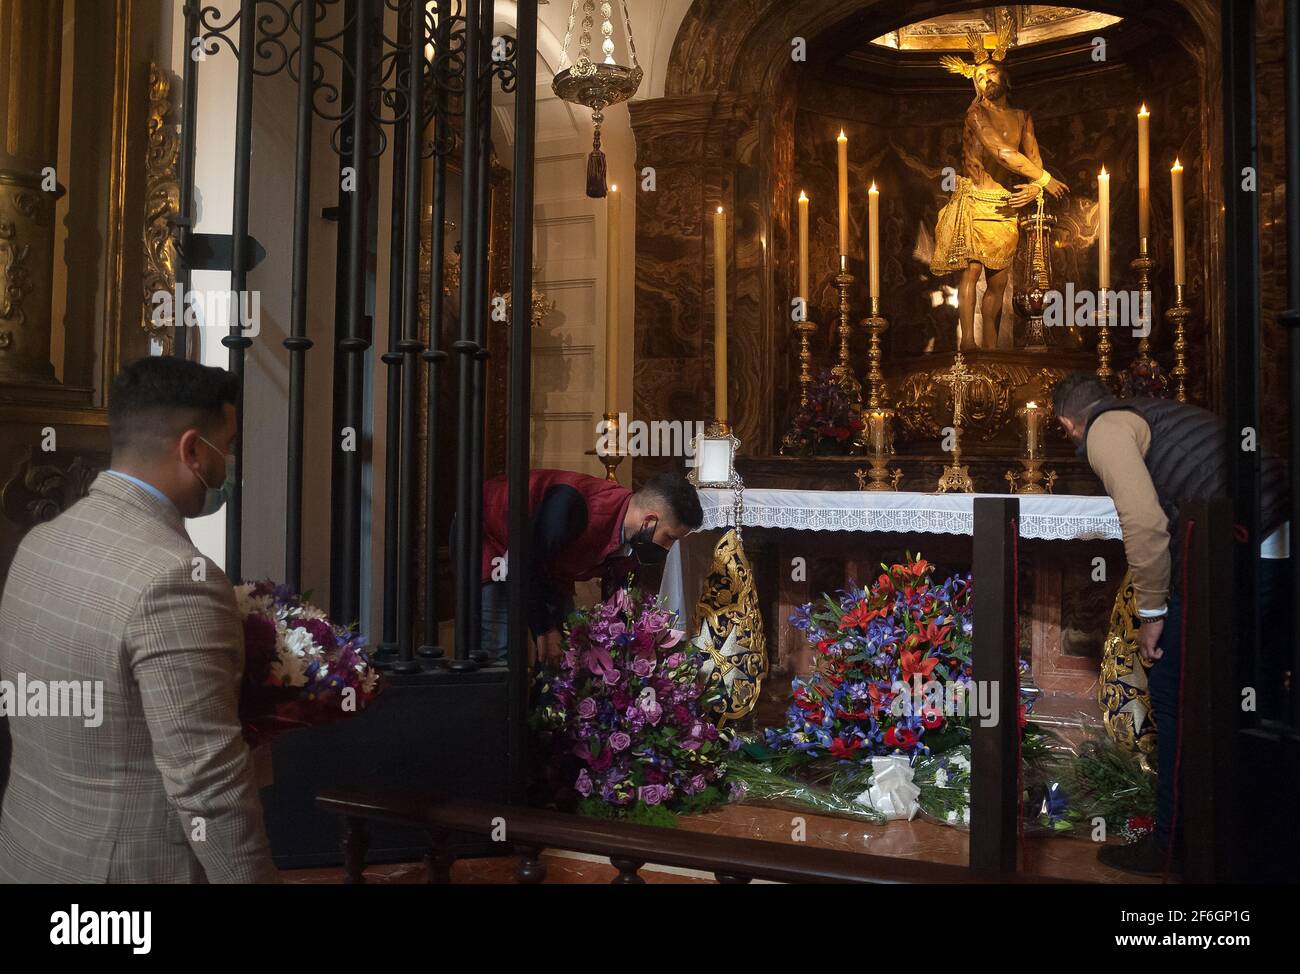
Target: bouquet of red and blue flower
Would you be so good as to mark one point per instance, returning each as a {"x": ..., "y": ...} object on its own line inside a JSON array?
[
  {"x": 300, "y": 669},
  {"x": 620, "y": 723},
  {"x": 892, "y": 670}
]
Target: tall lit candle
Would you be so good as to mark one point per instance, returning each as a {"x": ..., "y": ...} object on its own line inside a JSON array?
[
  {"x": 843, "y": 143},
  {"x": 1103, "y": 229},
  {"x": 612, "y": 238},
  {"x": 1144, "y": 176},
  {"x": 873, "y": 234},
  {"x": 803, "y": 248},
  {"x": 1180, "y": 249},
  {"x": 720, "y": 314},
  {"x": 1033, "y": 416}
]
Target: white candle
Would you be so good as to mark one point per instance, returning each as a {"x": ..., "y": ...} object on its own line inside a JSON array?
[
  {"x": 1032, "y": 417},
  {"x": 612, "y": 237},
  {"x": 873, "y": 224},
  {"x": 843, "y": 143},
  {"x": 720, "y": 314},
  {"x": 1144, "y": 176},
  {"x": 1180, "y": 246},
  {"x": 1103, "y": 229},
  {"x": 803, "y": 250}
]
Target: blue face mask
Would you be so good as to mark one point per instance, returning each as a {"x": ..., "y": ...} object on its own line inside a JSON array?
[{"x": 215, "y": 497}]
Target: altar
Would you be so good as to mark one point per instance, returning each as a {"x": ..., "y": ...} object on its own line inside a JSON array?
[{"x": 803, "y": 543}]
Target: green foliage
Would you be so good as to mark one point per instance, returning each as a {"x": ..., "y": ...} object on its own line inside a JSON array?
[{"x": 1107, "y": 780}]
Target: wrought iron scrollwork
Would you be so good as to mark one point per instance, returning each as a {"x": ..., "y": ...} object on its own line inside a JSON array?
[
  {"x": 506, "y": 67},
  {"x": 279, "y": 26}
]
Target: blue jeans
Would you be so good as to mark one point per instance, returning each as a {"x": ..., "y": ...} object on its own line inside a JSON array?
[
  {"x": 494, "y": 623},
  {"x": 1163, "y": 682}
]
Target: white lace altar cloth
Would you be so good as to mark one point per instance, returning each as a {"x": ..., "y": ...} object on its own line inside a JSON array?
[{"x": 1060, "y": 517}]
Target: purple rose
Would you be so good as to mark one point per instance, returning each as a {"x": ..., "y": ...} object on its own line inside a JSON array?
[
  {"x": 698, "y": 784},
  {"x": 583, "y": 784},
  {"x": 737, "y": 791},
  {"x": 674, "y": 661},
  {"x": 587, "y": 708},
  {"x": 681, "y": 714},
  {"x": 642, "y": 666},
  {"x": 652, "y": 794},
  {"x": 612, "y": 677},
  {"x": 620, "y": 741}
]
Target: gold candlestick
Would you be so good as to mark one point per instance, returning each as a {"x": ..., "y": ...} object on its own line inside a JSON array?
[
  {"x": 843, "y": 371},
  {"x": 1178, "y": 315},
  {"x": 1143, "y": 264},
  {"x": 880, "y": 434},
  {"x": 805, "y": 329},
  {"x": 610, "y": 460},
  {"x": 1028, "y": 481},
  {"x": 1104, "y": 372},
  {"x": 876, "y": 325}
]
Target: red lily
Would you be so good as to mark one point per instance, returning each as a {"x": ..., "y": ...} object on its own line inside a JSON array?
[
  {"x": 912, "y": 663},
  {"x": 858, "y": 616},
  {"x": 839, "y": 749}
]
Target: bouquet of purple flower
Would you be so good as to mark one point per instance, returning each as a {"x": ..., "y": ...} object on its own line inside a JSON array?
[
  {"x": 300, "y": 669},
  {"x": 621, "y": 722}
]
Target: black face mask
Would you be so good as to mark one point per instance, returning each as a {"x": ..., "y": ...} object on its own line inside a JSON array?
[{"x": 647, "y": 552}]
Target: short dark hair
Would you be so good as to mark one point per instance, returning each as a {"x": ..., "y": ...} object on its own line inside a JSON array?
[
  {"x": 1076, "y": 392},
  {"x": 678, "y": 495},
  {"x": 152, "y": 400}
]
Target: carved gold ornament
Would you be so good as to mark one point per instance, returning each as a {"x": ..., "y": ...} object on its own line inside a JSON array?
[
  {"x": 162, "y": 204},
  {"x": 975, "y": 42},
  {"x": 731, "y": 632},
  {"x": 1122, "y": 689}
]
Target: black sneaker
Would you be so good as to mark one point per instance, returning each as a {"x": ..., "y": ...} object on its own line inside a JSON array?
[{"x": 1145, "y": 857}]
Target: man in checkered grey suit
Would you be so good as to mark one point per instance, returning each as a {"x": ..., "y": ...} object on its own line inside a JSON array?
[{"x": 158, "y": 787}]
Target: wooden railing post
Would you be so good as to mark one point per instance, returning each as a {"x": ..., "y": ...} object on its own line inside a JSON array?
[
  {"x": 355, "y": 842},
  {"x": 995, "y": 753},
  {"x": 1211, "y": 694}
]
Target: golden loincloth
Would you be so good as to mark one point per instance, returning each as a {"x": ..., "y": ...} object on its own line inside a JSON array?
[{"x": 975, "y": 224}]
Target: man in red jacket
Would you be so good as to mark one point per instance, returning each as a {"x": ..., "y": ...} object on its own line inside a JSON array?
[{"x": 583, "y": 527}]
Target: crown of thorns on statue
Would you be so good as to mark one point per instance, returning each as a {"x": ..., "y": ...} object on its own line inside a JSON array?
[{"x": 981, "y": 54}]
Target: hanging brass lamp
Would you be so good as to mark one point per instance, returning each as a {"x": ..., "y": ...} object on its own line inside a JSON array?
[{"x": 597, "y": 84}]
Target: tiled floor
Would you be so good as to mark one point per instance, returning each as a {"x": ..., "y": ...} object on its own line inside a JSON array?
[{"x": 1045, "y": 855}]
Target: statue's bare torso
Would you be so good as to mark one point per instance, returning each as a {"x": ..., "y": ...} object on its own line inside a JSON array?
[{"x": 981, "y": 165}]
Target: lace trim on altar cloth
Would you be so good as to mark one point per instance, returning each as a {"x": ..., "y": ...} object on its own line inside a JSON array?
[{"x": 1049, "y": 517}]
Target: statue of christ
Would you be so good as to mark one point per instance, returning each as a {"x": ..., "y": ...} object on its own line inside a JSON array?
[{"x": 976, "y": 231}]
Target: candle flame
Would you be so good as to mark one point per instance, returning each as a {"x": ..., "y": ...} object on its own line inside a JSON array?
[
  {"x": 873, "y": 187},
  {"x": 613, "y": 187},
  {"x": 1142, "y": 112},
  {"x": 1103, "y": 174},
  {"x": 803, "y": 197},
  {"x": 842, "y": 137},
  {"x": 1177, "y": 167},
  {"x": 719, "y": 209},
  {"x": 1031, "y": 405}
]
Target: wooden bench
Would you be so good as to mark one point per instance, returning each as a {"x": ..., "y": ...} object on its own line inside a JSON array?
[{"x": 528, "y": 831}]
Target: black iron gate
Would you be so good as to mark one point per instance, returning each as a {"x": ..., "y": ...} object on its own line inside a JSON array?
[{"x": 414, "y": 78}]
